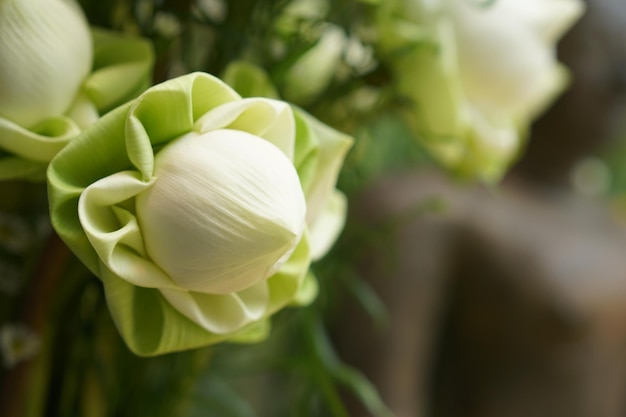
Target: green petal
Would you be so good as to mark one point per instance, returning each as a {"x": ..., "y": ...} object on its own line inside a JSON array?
[
  {"x": 12, "y": 168},
  {"x": 306, "y": 153},
  {"x": 326, "y": 209},
  {"x": 148, "y": 323},
  {"x": 122, "y": 69},
  {"x": 40, "y": 144},
  {"x": 25, "y": 153},
  {"x": 113, "y": 231},
  {"x": 307, "y": 292},
  {"x": 221, "y": 313},
  {"x": 84, "y": 161},
  {"x": 151, "y": 326},
  {"x": 328, "y": 224},
  {"x": 285, "y": 284},
  {"x": 269, "y": 119}
]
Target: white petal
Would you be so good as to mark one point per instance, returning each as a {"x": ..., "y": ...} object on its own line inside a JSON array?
[
  {"x": 221, "y": 313},
  {"x": 113, "y": 231},
  {"x": 326, "y": 207},
  {"x": 328, "y": 225},
  {"x": 548, "y": 18},
  {"x": 269, "y": 119},
  {"x": 225, "y": 212},
  {"x": 506, "y": 62}
]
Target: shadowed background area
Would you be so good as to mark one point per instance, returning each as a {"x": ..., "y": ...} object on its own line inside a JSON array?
[{"x": 507, "y": 302}]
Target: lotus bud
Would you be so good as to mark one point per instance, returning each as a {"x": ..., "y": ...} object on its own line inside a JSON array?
[
  {"x": 511, "y": 73},
  {"x": 199, "y": 210},
  {"x": 45, "y": 54},
  {"x": 51, "y": 87},
  {"x": 225, "y": 212},
  {"x": 475, "y": 73}
]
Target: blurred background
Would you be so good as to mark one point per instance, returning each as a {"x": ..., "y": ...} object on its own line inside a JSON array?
[
  {"x": 442, "y": 298},
  {"x": 508, "y": 301}
]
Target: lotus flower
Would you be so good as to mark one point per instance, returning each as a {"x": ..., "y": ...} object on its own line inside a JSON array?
[
  {"x": 476, "y": 73},
  {"x": 56, "y": 77},
  {"x": 199, "y": 210}
]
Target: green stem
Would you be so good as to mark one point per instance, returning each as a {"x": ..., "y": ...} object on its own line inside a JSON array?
[{"x": 18, "y": 382}]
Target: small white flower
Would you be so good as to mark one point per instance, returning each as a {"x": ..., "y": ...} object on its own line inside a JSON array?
[{"x": 18, "y": 344}]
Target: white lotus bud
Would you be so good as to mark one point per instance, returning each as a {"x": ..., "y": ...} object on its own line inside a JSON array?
[
  {"x": 45, "y": 55},
  {"x": 476, "y": 73},
  {"x": 225, "y": 212},
  {"x": 506, "y": 51},
  {"x": 201, "y": 227}
]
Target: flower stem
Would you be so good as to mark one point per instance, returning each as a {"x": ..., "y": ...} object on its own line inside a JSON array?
[{"x": 21, "y": 380}]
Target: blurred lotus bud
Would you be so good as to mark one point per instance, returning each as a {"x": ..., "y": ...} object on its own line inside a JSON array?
[
  {"x": 45, "y": 55},
  {"x": 476, "y": 74}
]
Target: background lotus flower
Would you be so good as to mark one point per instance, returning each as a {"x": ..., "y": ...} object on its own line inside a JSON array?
[
  {"x": 476, "y": 74},
  {"x": 57, "y": 76},
  {"x": 199, "y": 210},
  {"x": 45, "y": 54}
]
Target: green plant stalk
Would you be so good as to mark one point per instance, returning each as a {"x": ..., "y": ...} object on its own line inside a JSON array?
[{"x": 24, "y": 386}]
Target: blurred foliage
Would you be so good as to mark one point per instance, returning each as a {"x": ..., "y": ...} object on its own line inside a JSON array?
[
  {"x": 615, "y": 157},
  {"x": 295, "y": 372}
]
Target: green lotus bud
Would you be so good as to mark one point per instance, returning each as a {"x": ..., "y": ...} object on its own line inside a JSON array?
[
  {"x": 199, "y": 210},
  {"x": 476, "y": 73},
  {"x": 45, "y": 54}
]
